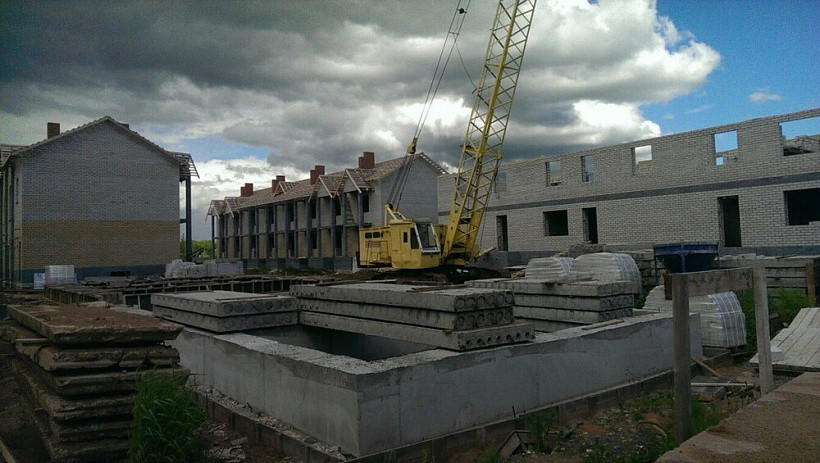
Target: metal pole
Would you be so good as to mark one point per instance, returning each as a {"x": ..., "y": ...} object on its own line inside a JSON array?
[
  {"x": 189, "y": 245},
  {"x": 680, "y": 328},
  {"x": 764, "y": 350}
]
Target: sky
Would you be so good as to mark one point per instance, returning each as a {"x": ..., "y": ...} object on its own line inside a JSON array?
[{"x": 258, "y": 89}]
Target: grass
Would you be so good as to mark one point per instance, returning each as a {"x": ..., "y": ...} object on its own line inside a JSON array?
[
  {"x": 784, "y": 302},
  {"x": 167, "y": 421}
]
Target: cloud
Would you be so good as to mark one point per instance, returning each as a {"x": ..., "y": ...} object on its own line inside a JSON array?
[
  {"x": 764, "y": 95},
  {"x": 316, "y": 82}
]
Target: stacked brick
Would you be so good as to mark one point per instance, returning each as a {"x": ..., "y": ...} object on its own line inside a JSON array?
[
  {"x": 651, "y": 271},
  {"x": 77, "y": 367},
  {"x": 555, "y": 304},
  {"x": 226, "y": 311},
  {"x": 456, "y": 318}
]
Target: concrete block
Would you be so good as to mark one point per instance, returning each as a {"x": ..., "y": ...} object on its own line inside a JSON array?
[
  {"x": 455, "y": 340},
  {"x": 576, "y": 303},
  {"x": 590, "y": 288},
  {"x": 227, "y": 324},
  {"x": 411, "y": 316},
  {"x": 225, "y": 303},
  {"x": 448, "y": 300},
  {"x": 574, "y": 316}
]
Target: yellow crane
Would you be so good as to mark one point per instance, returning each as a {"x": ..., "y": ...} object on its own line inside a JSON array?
[{"x": 417, "y": 244}]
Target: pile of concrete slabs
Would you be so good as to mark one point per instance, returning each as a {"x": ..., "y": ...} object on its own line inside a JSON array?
[
  {"x": 456, "y": 318},
  {"x": 554, "y": 305},
  {"x": 226, "y": 311},
  {"x": 77, "y": 368}
]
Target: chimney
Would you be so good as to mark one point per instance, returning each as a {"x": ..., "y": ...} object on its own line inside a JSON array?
[
  {"x": 52, "y": 129},
  {"x": 315, "y": 173},
  {"x": 367, "y": 160},
  {"x": 276, "y": 182},
  {"x": 246, "y": 190}
]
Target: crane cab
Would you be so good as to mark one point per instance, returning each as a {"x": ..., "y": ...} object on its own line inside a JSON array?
[{"x": 403, "y": 243}]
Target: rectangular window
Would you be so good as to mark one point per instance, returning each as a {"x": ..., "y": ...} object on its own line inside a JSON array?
[
  {"x": 556, "y": 223},
  {"x": 314, "y": 239},
  {"x": 271, "y": 245},
  {"x": 365, "y": 202},
  {"x": 269, "y": 215},
  {"x": 641, "y": 158},
  {"x": 553, "y": 173},
  {"x": 500, "y": 181},
  {"x": 501, "y": 233},
  {"x": 802, "y": 206},
  {"x": 587, "y": 169},
  {"x": 801, "y": 136},
  {"x": 289, "y": 212},
  {"x": 312, "y": 207},
  {"x": 337, "y": 206},
  {"x": 725, "y": 142}
]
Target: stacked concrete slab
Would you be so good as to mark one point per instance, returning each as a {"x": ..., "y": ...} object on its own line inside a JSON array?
[
  {"x": 226, "y": 311},
  {"x": 77, "y": 367},
  {"x": 456, "y": 318},
  {"x": 553, "y": 304},
  {"x": 608, "y": 266}
]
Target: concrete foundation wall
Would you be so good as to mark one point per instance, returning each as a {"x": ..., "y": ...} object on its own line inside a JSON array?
[
  {"x": 366, "y": 407},
  {"x": 672, "y": 198}
]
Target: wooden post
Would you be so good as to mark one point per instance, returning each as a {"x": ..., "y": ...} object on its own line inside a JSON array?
[
  {"x": 764, "y": 350},
  {"x": 680, "y": 328},
  {"x": 811, "y": 283}
]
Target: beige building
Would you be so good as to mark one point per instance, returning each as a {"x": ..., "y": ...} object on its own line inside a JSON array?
[{"x": 314, "y": 222}]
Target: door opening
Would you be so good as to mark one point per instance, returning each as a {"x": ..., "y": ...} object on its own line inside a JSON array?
[
  {"x": 729, "y": 209},
  {"x": 590, "y": 225}
]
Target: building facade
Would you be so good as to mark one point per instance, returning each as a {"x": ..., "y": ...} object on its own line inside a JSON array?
[
  {"x": 752, "y": 186},
  {"x": 315, "y": 222},
  {"x": 100, "y": 197}
]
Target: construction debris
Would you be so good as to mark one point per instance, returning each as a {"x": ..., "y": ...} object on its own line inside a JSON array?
[
  {"x": 78, "y": 366},
  {"x": 799, "y": 343}
]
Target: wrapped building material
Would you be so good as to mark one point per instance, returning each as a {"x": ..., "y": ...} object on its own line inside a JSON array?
[
  {"x": 549, "y": 268},
  {"x": 722, "y": 322},
  {"x": 608, "y": 266},
  {"x": 56, "y": 275}
]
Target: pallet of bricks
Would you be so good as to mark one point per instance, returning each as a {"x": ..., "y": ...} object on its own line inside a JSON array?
[
  {"x": 455, "y": 318},
  {"x": 796, "y": 272},
  {"x": 77, "y": 367}
]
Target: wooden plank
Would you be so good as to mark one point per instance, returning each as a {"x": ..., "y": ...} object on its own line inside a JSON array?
[
  {"x": 711, "y": 281},
  {"x": 811, "y": 283}
]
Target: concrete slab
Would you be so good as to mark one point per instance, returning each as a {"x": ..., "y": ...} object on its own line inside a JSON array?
[
  {"x": 110, "y": 382},
  {"x": 589, "y": 288},
  {"x": 227, "y": 324},
  {"x": 86, "y": 431},
  {"x": 54, "y": 358},
  {"x": 575, "y": 316},
  {"x": 454, "y": 340},
  {"x": 67, "y": 409},
  {"x": 410, "y": 316},
  {"x": 448, "y": 300},
  {"x": 780, "y": 426},
  {"x": 622, "y": 301},
  {"x": 225, "y": 303},
  {"x": 67, "y": 324},
  {"x": 550, "y": 326}
]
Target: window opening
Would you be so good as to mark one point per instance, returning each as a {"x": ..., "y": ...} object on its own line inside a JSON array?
[
  {"x": 641, "y": 158},
  {"x": 800, "y": 136},
  {"x": 725, "y": 142},
  {"x": 556, "y": 223},
  {"x": 553, "y": 173},
  {"x": 501, "y": 232},
  {"x": 587, "y": 169},
  {"x": 802, "y": 206}
]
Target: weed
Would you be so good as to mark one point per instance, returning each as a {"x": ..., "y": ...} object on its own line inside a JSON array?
[
  {"x": 540, "y": 424},
  {"x": 167, "y": 421},
  {"x": 788, "y": 302},
  {"x": 490, "y": 454},
  {"x": 598, "y": 453},
  {"x": 704, "y": 416}
]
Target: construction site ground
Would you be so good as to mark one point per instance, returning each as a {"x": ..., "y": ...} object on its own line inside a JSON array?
[{"x": 636, "y": 430}]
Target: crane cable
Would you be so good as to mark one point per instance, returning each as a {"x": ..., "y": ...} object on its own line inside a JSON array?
[{"x": 453, "y": 31}]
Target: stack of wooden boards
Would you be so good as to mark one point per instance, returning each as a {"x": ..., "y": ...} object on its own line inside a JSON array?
[
  {"x": 78, "y": 366},
  {"x": 226, "y": 311},
  {"x": 555, "y": 304},
  {"x": 456, "y": 318}
]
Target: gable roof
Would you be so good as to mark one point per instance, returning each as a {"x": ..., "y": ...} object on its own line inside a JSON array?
[
  {"x": 186, "y": 163},
  {"x": 333, "y": 183}
]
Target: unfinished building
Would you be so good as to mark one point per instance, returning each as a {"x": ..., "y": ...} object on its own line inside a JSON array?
[
  {"x": 314, "y": 222},
  {"x": 752, "y": 186},
  {"x": 99, "y": 197}
]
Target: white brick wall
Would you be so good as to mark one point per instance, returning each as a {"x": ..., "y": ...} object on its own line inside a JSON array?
[{"x": 638, "y": 207}]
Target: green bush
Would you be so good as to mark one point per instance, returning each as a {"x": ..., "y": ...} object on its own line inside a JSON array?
[{"x": 167, "y": 421}]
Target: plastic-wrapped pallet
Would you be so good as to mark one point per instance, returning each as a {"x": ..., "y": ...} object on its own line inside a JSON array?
[
  {"x": 59, "y": 275},
  {"x": 549, "y": 268},
  {"x": 609, "y": 266},
  {"x": 722, "y": 323}
]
